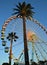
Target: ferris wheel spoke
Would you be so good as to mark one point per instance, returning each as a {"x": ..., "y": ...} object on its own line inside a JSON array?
[
  {"x": 40, "y": 51},
  {"x": 38, "y": 30},
  {"x": 36, "y": 54},
  {"x": 35, "y": 51},
  {"x": 9, "y": 20},
  {"x": 34, "y": 27},
  {"x": 21, "y": 54},
  {"x": 32, "y": 52},
  {"x": 22, "y": 58},
  {"x": 6, "y": 23},
  {"x": 12, "y": 26},
  {"x": 42, "y": 41},
  {"x": 17, "y": 43},
  {"x": 43, "y": 49},
  {"x": 40, "y": 25}
]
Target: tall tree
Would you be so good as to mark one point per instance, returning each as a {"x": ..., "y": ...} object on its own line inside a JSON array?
[
  {"x": 11, "y": 37},
  {"x": 25, "y": 11}
]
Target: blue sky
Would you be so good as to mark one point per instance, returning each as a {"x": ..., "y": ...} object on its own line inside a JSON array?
[{"x": 6, "y": 10}]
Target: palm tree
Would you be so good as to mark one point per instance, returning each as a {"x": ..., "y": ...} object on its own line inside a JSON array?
[
  {"x": 24, "y": 11},
  {"x": 11, "y": 37}
]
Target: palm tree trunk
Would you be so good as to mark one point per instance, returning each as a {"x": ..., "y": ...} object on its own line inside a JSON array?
[
  {"x": 25, "y": 43},
  {"x": 10, "y": 52}
]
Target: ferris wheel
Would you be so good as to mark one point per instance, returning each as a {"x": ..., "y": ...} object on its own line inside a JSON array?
[{"x": 36, "y": 36}]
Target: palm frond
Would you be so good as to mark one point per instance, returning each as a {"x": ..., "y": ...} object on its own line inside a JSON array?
[
  {"x": 23, "y": 4},
  {"x": 15, "y": 13},
  {"x": 20, "y": 4},
  {"x": 29, "y": 6},
  {"x": 18, "y": 7}
]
